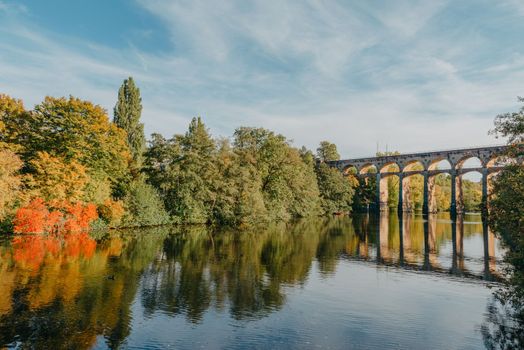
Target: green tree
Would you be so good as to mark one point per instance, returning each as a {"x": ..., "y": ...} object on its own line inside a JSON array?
[
  {"x": 443, "y": 191},
  {"x": 506, "y": 217},
  {"x": 185, "y": 172},
  {"x": 239, "y": 198},
  {"x": 507, "y": 200},
  {"x": 198, "y": 174},
  {"x": 327, "y": 152},
  {"x": 336, "y": 192},
  {"x": 365, "y": 192},
  {"x": 471, "y": 194},
  {"x": 287, "y": 183},
  {"x": 127, "y": 114}
]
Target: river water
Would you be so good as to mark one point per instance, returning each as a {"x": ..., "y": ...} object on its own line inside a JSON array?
[{"x": 365, "y": 282}]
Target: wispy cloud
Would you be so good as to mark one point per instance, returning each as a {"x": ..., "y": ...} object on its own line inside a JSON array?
[
  {"x": 413, "y": 75},
  {"x": 12, "y": 8}
]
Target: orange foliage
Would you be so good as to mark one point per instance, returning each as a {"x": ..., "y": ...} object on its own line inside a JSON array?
[
  {"x": 64, "y": 217},
  {"x": 112, "y": 212},
  {"x": 32, "y": 218},
  {"x": 31, "y": 250},
  {"x": 79, "y": 245}
]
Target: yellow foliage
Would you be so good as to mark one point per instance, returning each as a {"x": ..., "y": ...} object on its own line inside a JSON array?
[
  {"x": 112, "y": 212},
  {"x": 10, "y": 181},
  {"x": 11, "y": 113},
  {"x": 53, "y": 179}
]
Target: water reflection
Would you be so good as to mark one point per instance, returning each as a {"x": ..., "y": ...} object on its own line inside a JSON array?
[
  {"x": 69, "y": 293},
  {"x": 435, "y": 243}
]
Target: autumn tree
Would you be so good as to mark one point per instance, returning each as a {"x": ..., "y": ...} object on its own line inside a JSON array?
[
  {"x": 12, "y": 117},
  {"x": 10, "y": 182},
  {"x": 74, "y": 131},
  {"x": 52, "y": 179}
]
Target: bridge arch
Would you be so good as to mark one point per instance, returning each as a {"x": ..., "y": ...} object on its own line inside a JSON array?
[
  {"x": 350, "y": 170},
  {"x": 469, "y": 161},
  {"x": 440, "y": 163},
  {"x": 413, "y": 165},
  {"x": 389, "y": 167},
  {"x": 365, "y": 169}
]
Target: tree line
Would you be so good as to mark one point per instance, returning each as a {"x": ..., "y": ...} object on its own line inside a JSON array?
[{"x": 67, "y": 151}]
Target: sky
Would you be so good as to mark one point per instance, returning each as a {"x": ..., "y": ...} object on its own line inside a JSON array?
[{"x": 406, "y": 75}]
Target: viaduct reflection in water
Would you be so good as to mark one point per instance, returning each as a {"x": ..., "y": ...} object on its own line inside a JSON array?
[
  {"x": 76, "y": 291},
  {"x": 434, "y": 243}
]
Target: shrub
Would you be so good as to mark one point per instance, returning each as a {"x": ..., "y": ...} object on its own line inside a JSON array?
[
  {"x": 111, "y": 212},
  {"x": 56, "y": 217},
  {"x": 144, "y": 206}
]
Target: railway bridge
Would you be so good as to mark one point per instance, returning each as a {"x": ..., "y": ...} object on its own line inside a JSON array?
[{"x": 426, "y": 164}]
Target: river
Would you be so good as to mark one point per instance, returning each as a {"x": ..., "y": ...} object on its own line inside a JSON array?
[{"x": 365, "y": 282}]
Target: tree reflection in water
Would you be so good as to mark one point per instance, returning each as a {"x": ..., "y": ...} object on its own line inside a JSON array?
[
  {"x": 503, "y": 327},
  {"x": 57, "y": 293}
]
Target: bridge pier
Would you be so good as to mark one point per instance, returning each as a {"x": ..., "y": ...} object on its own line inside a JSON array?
[
  {"x": 459, "y": 196},
  {"x": 400, "y": 193},
  {"x": 425, "y": 203},
  {"x": 377, "y": 200},
  {"x": 484, "y": 203},
  {"x": 453, "y": 206}
]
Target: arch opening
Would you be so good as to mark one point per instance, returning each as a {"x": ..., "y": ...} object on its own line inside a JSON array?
[
  {"x": 469, "y": 162},
  {"x": 412, "y": 192},
  {"x": 439, "y": 193},
  {"x": 390, "y": 167},
  {"x": 368, "y": 169},
  {"x": 440, "y": 164},
  {"x": 350, "y": 170},
  {"x": 415, "y": 165},
  {"x": 469, "y": 192},
  {"x": 389, "y": 192}
]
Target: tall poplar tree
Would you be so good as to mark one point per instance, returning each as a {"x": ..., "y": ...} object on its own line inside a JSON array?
[{"x": 127, "y": 114}]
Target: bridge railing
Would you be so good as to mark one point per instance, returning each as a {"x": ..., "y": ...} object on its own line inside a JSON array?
[
  {"x": 457, "y": 149},
  {"x": 431, "y": 151}
]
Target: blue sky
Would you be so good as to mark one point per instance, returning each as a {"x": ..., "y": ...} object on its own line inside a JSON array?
[{"x": 415, "y": 75}]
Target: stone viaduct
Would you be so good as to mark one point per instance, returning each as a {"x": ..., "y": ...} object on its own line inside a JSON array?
[{"x": 426, "y": 164}]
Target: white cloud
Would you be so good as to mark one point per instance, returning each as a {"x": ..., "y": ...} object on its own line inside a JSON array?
[{"x": 311, "y": 70}]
